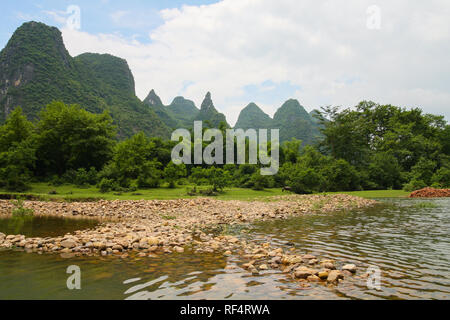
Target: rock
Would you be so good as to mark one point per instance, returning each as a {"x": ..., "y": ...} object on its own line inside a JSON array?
[
  {"x": 99, "y": 245},
  {"x": 117, "y": 247},
  {"x": 254, "y": 271},
  {"x": 179, "y": 249},
  {"x": 227, "y": 253},
  {"x": 2, "y": 236},
  {"x": 313, "y": 278},
  {"x": 247, "y": 266},
  {"x": 291, "y": 260},
  {"x": 276, "y": 260},
  {"x": 68, "y": 244},
  {"x": 323, "y": 275},
  {"x": 327, "y": 265},
  {"x": 308, "y": 257},
  {"x": 334, "y": 276},
  {"x": 263, "y": 267},
  {"x": 304, "y": 272},
  {"x": 152, "y": 241},
  {"x": 349, "y": 267}
]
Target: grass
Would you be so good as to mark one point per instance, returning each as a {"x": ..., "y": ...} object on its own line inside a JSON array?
[
  {"x": 425, "y": 205},
  {"x": 376, "y": 193},
  {"x": 42, "y": 191}
]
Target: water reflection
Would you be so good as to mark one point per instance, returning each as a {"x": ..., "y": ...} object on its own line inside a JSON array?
[{"x": 44, "y": 226}]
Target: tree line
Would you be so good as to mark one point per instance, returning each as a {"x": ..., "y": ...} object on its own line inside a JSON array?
[{"x": 368, "y": 147}]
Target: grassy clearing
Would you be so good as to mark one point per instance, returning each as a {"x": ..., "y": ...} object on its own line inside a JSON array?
[{"x": 43, "y": 191}]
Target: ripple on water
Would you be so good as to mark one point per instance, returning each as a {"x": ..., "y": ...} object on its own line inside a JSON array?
[{"x": 410, "y": 245}]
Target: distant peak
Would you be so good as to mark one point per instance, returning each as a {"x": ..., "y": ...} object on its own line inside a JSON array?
[
  {"x": 207, "y": 103},
  {"x": 153, "y": 99}
]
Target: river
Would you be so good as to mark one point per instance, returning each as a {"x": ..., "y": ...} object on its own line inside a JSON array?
[{"x": 408, "y": 240}]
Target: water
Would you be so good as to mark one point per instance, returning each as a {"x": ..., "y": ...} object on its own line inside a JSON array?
[
  {"x": 43, "y": 226},
  {"x": 410, "y": 244}
]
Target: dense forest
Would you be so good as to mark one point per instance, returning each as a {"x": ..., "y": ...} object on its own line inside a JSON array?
[{"x": 368, "y": 147}]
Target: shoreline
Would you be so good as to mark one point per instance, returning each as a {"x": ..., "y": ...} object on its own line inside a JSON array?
[{"x": 149, "y": 227}]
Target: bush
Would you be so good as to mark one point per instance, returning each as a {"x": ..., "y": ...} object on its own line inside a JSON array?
[
  {"x": 108, "y": 185},
  {"x": 414, "y": 185},
  {"x": 305, "y": 181},
  {"x": 442, "y": 178},
  {"x": 259, "y": 182}
]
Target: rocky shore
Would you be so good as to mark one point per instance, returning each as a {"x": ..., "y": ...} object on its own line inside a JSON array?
[{"x": 154, "y": 227}]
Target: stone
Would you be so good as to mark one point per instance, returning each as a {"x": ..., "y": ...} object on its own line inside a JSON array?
[
  {"x": 152, "y": 241},
  {"x": 304, "y": 272},
  {"x": 334, "y": 276},
  {"x": 349, "y": 267},
  {"x": 313, "y": 278},
  {"x": 323, "y": 275},
  {"x": 68, "y": 244},
  {"x": 327, "y": 265},
  {"x": 99, "y": 245},
  {"x": 263, "y": 267},
  {"x": 117, "y": 247},
  {"x": 247, "y": 266},
  {"x": 276, "y": 260},
  {"x": 179, "y": 249}
]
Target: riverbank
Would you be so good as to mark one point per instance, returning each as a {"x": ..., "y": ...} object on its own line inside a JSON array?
[
  {"x": 45, "y": 192},
  {"x": 154, "y": 227}
]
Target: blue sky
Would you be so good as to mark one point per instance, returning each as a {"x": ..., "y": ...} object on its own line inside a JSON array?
[
  {"x": 265, "y": 51},
  {"x": 97, "y": 15}
]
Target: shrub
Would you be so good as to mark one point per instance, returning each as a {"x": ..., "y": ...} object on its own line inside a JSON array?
[
  {"x": 108, "y": 185},
  {"x": 414, "y": 185}
]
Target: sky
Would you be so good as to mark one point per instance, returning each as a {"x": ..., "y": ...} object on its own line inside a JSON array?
[{"x": 336, "y": 52}]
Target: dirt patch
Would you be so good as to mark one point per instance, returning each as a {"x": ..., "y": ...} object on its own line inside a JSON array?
[{"x": 430, "y": 193}]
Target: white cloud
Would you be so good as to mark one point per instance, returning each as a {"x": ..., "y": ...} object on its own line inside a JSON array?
[{"x": 317, "y": 46}]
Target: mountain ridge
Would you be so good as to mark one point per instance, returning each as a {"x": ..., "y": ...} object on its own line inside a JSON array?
[{"x": 36, "y": 69}]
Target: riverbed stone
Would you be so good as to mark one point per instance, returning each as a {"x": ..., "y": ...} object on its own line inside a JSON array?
[
  {"x": 304, "y": 272},
  {"x": 350, "y": 267},
  {"x": 323, "y": 274},
  {"x": 68, "y": 244},
  {"x": 334, "y": 276}
]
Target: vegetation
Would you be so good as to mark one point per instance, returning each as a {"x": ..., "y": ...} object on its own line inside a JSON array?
[
  {"x": 19, "y": 210},
  {"x": 39, "y": 70},
  {"x": 363, "y": 149}
]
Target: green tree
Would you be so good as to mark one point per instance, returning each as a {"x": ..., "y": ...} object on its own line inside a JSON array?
[
  {"x": 72, "y": 138},
  {"x": 134, "y": 159},
  {"x": 173, "y": 172},
  {"x": 17, "y": 152}
]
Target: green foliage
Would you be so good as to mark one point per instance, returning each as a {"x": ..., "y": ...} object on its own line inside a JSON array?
[
  {"x": 17, "y": 152},
  {"x": 37, "y": 56},
  {"x": 107, "y": 185},
  {"x": 441, "y": 178},
  {"x": 70, "y": 138},
  {"x": 218, "y": 178},
  {"x": 19, "y": 210},
  {"x": 135, "y": 159},
  {"x": 414, "y": 185},
  {"x": 173, "y": 172}
]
